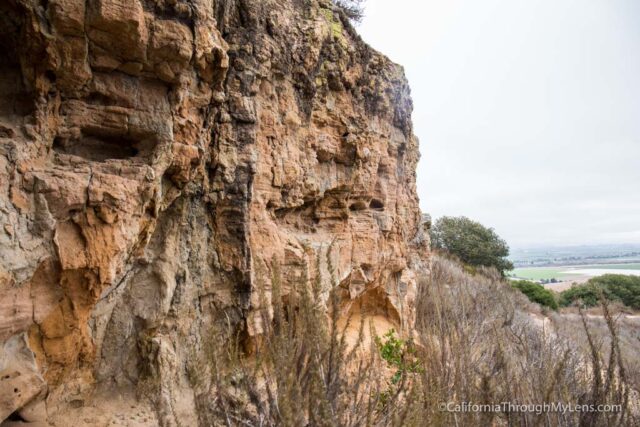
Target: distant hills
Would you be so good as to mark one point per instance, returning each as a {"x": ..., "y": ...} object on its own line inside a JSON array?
[{"x": 575, "y": 255}]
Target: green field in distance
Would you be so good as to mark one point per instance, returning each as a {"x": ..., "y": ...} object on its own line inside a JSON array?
[{"x": 560, "y": 272}]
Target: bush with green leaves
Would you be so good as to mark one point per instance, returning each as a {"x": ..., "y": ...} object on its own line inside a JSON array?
[
  {"x": 613, "y": 287},
  {"x": 586, "y": 294},
  {"x": 399, "y": 354},
  {"x": 472, "y": 242},
  {"x": 536, "y": 293}
]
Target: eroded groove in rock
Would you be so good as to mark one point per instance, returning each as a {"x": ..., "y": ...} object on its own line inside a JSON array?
[{"x": 158, "y": 159}]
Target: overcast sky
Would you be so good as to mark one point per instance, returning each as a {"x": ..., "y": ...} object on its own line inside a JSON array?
[{"x": 527, "y": 111}]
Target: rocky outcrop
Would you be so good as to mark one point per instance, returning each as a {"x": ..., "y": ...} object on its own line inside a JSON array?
[{"x": 160, "y": 162}]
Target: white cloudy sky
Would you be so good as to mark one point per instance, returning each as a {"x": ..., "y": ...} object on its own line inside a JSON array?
[{"x": 528, "y": 112}]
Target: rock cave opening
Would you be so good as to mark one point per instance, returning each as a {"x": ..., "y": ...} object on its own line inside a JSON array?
[
  {"x": 357, "y": 206},
  {"x": 15, "y": 99},
  {"x": 376, "y": 205},
  {"x": 16, "y": 417},
  {"x": 100, "y": 147}
]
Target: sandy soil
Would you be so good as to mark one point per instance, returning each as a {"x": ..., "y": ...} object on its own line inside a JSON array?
[{"x": 566, "y": 283}]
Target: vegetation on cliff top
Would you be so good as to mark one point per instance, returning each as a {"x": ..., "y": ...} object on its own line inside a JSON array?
[
  {"x": 354, "y": 9},
  {"x": 472, "y": 242}
]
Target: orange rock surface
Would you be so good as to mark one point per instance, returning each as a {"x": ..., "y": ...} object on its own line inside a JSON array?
[{"x": 159, "y": 161}]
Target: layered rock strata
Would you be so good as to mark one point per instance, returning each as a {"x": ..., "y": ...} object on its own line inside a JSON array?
[{"x": 160, "y": 160}]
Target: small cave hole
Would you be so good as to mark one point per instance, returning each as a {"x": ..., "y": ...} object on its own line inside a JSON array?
[
  {"x": 15, "y": 97},
  {"x": 100, "y": 148},
  {"x": 367, "y": 269},
  {"x": 376, "y": 205},
  {"x": 50, "y": 75},
  {"x": 358, "y": 206},
  {"x": 6, "y": 132},
  {"x": 280, "y": 212},
  {"x": 58, "y": 143},
  {"x": 16, "y": 417},
  {"x": 76, "y": 403},
  {"x": 96, "y": 98}
]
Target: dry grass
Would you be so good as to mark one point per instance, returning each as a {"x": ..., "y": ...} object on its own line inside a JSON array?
[
  {"x": 569, "y": 323},
  {"x": 482, "y": 345},
  {"x": 476, "y": 341}
]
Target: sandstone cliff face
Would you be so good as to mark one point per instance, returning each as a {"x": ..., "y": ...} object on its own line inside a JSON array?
[{"x": 160, "y": 161}]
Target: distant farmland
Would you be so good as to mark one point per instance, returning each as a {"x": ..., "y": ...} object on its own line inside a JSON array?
[
  {"x": 570, "y": 273},
  {"x": 539, "y": 273}
]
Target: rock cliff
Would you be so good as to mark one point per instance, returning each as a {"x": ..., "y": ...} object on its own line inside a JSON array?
[{"x": 160, "y": 162}]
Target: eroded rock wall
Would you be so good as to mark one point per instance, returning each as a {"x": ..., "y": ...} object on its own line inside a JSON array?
[{"x": 159, "y": 160}]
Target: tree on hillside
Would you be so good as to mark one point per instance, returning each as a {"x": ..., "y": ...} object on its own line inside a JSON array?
[
  {"x": 472, "y": 242},
  {"x": 536, "y": 293},
  {"x": 354, "y": 9},
  {"x": 613, "y": 287}
]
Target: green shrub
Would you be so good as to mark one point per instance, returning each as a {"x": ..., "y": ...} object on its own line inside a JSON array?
[
  {"x": 613, "y": 287},
  {"x": 472, "y": 242},
  {"x": 536, "y": 293},
  {"x": 620, "y": 287},
  {"x": 399, "y": 354},
  {"x": 588, "y": 294}
]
